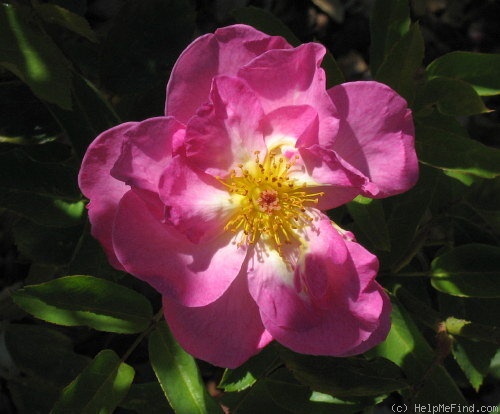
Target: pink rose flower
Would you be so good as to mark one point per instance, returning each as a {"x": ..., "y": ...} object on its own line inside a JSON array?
[{"x": 218, "y": 204}]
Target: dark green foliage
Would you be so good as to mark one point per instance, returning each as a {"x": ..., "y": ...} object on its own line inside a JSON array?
[{"x": 78, "y": 336}]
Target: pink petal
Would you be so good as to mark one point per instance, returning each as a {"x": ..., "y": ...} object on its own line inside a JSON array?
[
  {"x": 146, "y": 150},
  {"x": 150, "y": 249},
  {"x": 293, "y": 77},
  {"x": 226, "y": 332},
  {"x": 328, "y": 304},
  {"x": 101, "y": 188},
  {"x": 225, "y": 131},
  {"x": 197, "y": 204},
  {"x": 336, "y": 179},
  {"x": 376, "y": 136},
  {"x": 297, "y": 124},
  {"x": 221, "y": 53}
]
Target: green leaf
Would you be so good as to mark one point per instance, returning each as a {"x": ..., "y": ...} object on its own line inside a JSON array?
[
  {"x": 405, "y": 215},
  {"x": 20, "y": 174},
  {"x": 450, "y": 96},
  {"x": 52, "y": 13},
  {"x": 406, "y": 347},
  {"x": 478, "y": 69},
  {"x": 247, "y": 374},
  {"x": 444, "y": 149},
  {"x": 99, "y": 388},
  {"x": 43, "y": 353},
  {"x": 88, "y": 301},
  {"x": 390, "y": 20},
  {"x": 178, "y": 375},
  {"x": 91, "y": 114},
  {"x": 472, "y": 330},
  {"x": 32, "y": 395},
  {"x": 474, "y": 359},
  {"x": 43, "y": 210},
  {"x": 28, "y": 52},
  {"x": 89, "y": 259},
  {"x": 368, "y": 215},
  {"x": 46, "y": 245},
  {"x": 146, "y": 398},
  {"x": 140, "y": 48},
  {"x": 471, "y": 270},
  {"x": 400, "y": 65},
  {"x": 299, "y": 399},
  {"x": 256, "y": 399},
  {"x": 345, "y": 377},
  {"x": 266, "y": 22},
  {"x": 23, "y": 117}
]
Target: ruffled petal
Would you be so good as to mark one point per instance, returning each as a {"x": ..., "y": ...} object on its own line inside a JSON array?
[
  {"x": 225, "y": 132},
  {"x": 376, "y": 136},
  {"x": 293, "y": 77},
  {"x": 101, "y": 188},
  {"x": 226, "y": 332},
  {"x": 328, "y": 303},
  {"x": 197, "y": 204},
  {"x": 146, "y": 150},
  {"x": 152, "y": 250},
  {"x": 220, "y": 53}
]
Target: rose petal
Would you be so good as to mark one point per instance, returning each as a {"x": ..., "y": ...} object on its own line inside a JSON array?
[
  {"x": 376, "y": 136},
  {"x": 146, "y": 150},
  {"x": 293, "y": 77},
  {"x": 101, "y": 188},
  {"x": 198, "y": 205},
  {"x": 328, "y": 305},
  {"x": 221, "y": 53},
  {"x": 226, "y": 131},
  {"x": 336, "y": 179},
  {"x": 150, "y": 249},
  {"x": 226, "y": 332}
]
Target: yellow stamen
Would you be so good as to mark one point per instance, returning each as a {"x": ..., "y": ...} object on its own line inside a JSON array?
[{"x": 272, "y": 206}]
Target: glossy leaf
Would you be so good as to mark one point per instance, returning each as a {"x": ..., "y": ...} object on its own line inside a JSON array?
[
  {"x": 271, "y": 25},
  {"x": 390, "y": 20},
  {"x": 406, "y": 347},
  {"x": 28, "y": 52},
  {"x": 87, "y": 301},
  {"x": 444, "y": 149},
  {"x": 469, "y": 270},
  {"x": 99, "y": 388},
  {"x": 345, "y": 377},
  {"x": 299, "y": 399},
  {"x": 369, "y": 217},
  {"x": 474, "y": 359},
  {"x": 178, "y": 374},
  {"x": 401, "y": 64},
  {"x": 478, "y": 69},
  {"x": 247, "y": 374},
  {"x": 450, "y": 96},
  {"x": 473, "y": 330}
]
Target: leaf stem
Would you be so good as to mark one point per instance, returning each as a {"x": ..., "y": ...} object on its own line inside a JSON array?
[{"x": 154, "y": 321}]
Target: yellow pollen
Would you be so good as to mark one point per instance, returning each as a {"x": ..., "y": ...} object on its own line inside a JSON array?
[{"x": 271, "y": 205}]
